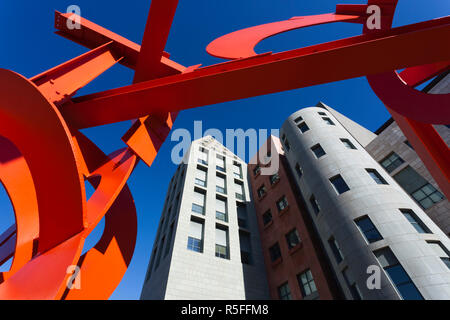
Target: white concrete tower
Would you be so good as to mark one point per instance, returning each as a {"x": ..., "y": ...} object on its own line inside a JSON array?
[
  {"x": 207, "y": 245},
  {"x": 363, "y": 217}
]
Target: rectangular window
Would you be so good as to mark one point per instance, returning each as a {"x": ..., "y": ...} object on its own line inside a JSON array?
[
  {"x": 318, "y": 151},
  {"x": 286, "y": 144},
  {"x": 242, "y": 214},
  {"x": 391, "y": 162},
  {"x": 348, "y": 144},
  {"x": 397, "y": 274},
  {"x": 198, "y": 205},
  {"x": 221, "y": 210},
  {"x": 292, "y": 238},
  {"x": 267, "y": 217},
  {"x": 274, "y": 178},
  {"x": 314, "y": 204},
  {"x": 239, "y": 190},
  {"x": 200, "y": 177},
  {"x": 282, "y": 203},
  {"x": 336, "y": 249},
  {"x": 261, "y": 191},
  {"x": 368, "y": 229},
  {"x": 299, "y": 170},
  {"x": 419, "y": 188},
  {"x": 195, "y": 238},
  {"x": 237, "y": 170},
  {"x": 298, "y": 119},
  {"x": 376, "y": 176},
  {"x": 354, "y": 290},
  {"x": 284, "y": 292},
  {"x": 328, "y": 121},
  {"x": 339, "y": 184},
  {"x": 322, "y": 113},
  {"x": 220, "y": 163},
  {"x": 203, "y": 156},
  {"x": 441, "y": 252},
  {"x": 306, "y": 283},
  {"x": 415, "y": 221},
  {"x": 275, "y": 252},
  {"x": 222, "y": 243},
  {"x": 220, "y": 184},
  {"x": 245, "y": 244},
  {"x": 303, "y": 127}
]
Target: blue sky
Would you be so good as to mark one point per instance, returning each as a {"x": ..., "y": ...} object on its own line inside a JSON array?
[{"x": 29, "y": 47}]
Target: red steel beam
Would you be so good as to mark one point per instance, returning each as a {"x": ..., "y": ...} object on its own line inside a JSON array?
[
  {"x": 92, "y": 35},
  {"x": 323, "y": 63}
]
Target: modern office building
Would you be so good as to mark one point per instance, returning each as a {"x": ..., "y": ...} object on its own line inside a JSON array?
[
  {"x": 362, "y": 215},
  {"x": 296, "y": 264},
  {"x": 207, "y": 244}
]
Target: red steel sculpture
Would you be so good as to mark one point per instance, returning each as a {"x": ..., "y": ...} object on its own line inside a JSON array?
[{"x": 45, "y": 159}]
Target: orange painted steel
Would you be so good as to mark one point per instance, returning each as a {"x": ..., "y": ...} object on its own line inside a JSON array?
[{"x": 45, "y": 159}]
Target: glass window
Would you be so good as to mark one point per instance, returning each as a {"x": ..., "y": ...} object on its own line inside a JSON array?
[
  {"x": 322, "y": 113},
  {"x": 221, "y": 210},
  {"x": 220, "y": 163},
  {"x": 245, "y": 244},
  {"x": 419, "y": 188},
  {"x": 440, "y": 251},
  {"x": 195, "y": 238},
  {"x": 237, "y": 170},
  {"x": 256, "y": 170},
  {"x": 222, "y": 243},
  {"x": 284, "y": 292},
  {"x": 306, "y": 283},
  {"x": 282, "y": 204},
  {"x": 298, "y": 119},
  {"x": 391, "y": 162},
  {"x": 198, "y": 204},
  {"x": 292, "y": 238},
  {"x": 261, "y": 191},
  {"x": 203, "y": 156},
  {"x": 314, "y": 204},
  {"x": 220, "y": 184},
  {"x": 303, "y": 127},
  {"x": 376, "y": 176},
  {"x": 286, "y": 144},
  {"x": 397, "y": 274},
  {"x": 348, "y": 144},
  {"x": 200, "y": 177},
  {"x": 274, "y": 178},
  {"x": 354, "y": 290},
  {"x": 267, "y": 217},
  {"x": 275, "y": 252},
  {"x": 368, "y": 229},
  {"x": 328, "y": 121},
  {"x": 318, "y": 151},
  {"x": 339, "y": 184},
  {"x": 299, "y": 170},
  {"x": 239, "y": 190},
  {"x": 336, "y": 250},
  {"x": 415, "y": 221}
]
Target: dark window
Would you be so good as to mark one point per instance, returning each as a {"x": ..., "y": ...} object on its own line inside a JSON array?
[
  {"x": 256, "y": 170},
  {"x": 282, "y": 203},
  {"x": 261, "y": 191},
  {"x": 298, "y": 119},
  {"x": 354, "y": 290},
  {"x": 415, "y": 221},
  {"x": 391, "y": 162},
  {"x": 292, "y": 238},
  {"x": 298, "y": 170},
  {"x": 306, "y": 283},
  {"x": 368, "y": 229},
  {"x": 322, "y": 113},
  {"x": 303, "y": 127},
  {"x": 267, "y": 217},
  {"x": 336, "y": 250},
  {"x": 397, "y": 274},
  {"x": 328, "y": 121},
  {"x": 314, "y": 204},
  {"x": 274, "y": 178},
  {"x": 419, "y": 188},
  {"x": 275, "y": 252},
  {"x": 339, "y": 184},
  {"x": 286, "y": 144},
  {"x": 245, "y": 245},
  {"x": 348, "y": 144},
  {"x": 376, "y": 176},
  {"x": 284, "y": 292},
  {"x": 318, "y": 151}
]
